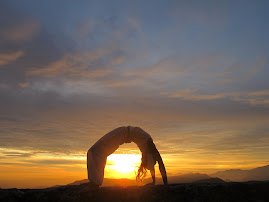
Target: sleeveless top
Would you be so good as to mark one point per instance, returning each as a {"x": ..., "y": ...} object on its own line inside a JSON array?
[{"x": 112, "y": 140}]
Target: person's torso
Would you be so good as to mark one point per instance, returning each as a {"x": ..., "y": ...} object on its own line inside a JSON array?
[{"x": 112, "y": 140}]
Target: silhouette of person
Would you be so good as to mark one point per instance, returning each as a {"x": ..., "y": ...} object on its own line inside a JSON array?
[{"x": 97, "y": 154}]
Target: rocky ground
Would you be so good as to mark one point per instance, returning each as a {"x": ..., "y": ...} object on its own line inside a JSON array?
[{"x": 247, "y": 191}]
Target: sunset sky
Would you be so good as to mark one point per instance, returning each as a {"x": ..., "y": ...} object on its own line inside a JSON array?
[{"x": 193, "y": 74}]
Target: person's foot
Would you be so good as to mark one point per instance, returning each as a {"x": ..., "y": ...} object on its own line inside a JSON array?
[
  {"x": 93, "y": 185},
  {"x": 90, "y": 187}
]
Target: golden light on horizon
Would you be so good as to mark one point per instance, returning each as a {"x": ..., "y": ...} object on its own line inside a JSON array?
[
  {"x": 122, "y": 165},
  {"x": 25, "y": 168}
]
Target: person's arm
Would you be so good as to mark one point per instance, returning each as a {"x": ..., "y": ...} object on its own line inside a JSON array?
[
  {"x": 154, "y": 150},
  {"x": 152, "y": 172},
  {"x": 162, "y": 167}
]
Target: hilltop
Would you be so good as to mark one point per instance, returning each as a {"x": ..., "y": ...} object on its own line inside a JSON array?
[
  {"x": 186, "y": 178},
  {"x": 247, "y": 191}
]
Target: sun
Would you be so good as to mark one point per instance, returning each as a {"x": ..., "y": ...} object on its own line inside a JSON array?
[{"x": 123, "y": 165}]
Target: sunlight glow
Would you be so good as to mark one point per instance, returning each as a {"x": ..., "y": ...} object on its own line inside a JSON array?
[{"x": 124, "y": 163}]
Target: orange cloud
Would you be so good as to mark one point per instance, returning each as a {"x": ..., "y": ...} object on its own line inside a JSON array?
[
  {"x": 24, "y": 84},
  {"x": 118, "y": 60},
  {"x": 254, "y": 98},
  {"x": 11, "y": 57},
  {"x": 23, "y": 31},
  {"x": 188, "y": 94}
]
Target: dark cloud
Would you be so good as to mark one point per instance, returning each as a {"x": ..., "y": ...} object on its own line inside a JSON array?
[
  {"x": 9, "y": 119},
  {"x": 16, "y": 26}
]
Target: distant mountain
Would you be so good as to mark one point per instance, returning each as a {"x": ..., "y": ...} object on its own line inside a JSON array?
[
  {"x": 238, "y": 175},
  {"x": 210, "y": 180},
  {"x": 234, "y": 175},
  {"x": 186, "y": 178},
  {"x": 78, "y": 182},
  {"x": 109, "y": 182}
]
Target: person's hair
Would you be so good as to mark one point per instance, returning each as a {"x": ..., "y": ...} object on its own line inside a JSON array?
[{"x": 142, "y": 171}]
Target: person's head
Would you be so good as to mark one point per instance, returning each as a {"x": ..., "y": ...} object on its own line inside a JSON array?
[{"x": 148, "y": 161}]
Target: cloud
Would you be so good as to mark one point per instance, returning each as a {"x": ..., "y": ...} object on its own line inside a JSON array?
[
  {"x": 16, "y": 154},
  {"x": 75, "y": 83},
  {"x": 173, "y": 71},
  {"x": 8, "y": 119},
  {"x": 57, "y": 161},
  {"x": 7, "y": 58},
  {"x": 83, "y": 29},
  {"x": 23, "y": 31},
  {"x": 163, "y": 69},
  {"x": 189, "y": 94},
  {"x": 24, "y": 45},
  {"x": 253, "y": 98},
  {"x": 77, "y": 66},
  {"x": 118, "y": 60},
  {"x": 239, "y": 72},
  {"x": 249, "y": 140},
  {"x": 136, "y": 25},
  {"x": 24, "y": 84},
  {"x": 16, "y": 26},
  {"x": 114, "y": 83},
  {"x": 259, "y": 93}
]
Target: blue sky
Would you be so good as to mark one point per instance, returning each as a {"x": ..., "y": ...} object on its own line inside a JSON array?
[{"x": 193, "y": 74}]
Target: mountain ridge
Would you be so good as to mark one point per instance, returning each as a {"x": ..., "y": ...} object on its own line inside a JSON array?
[
  {"x": 238, "y": 175},
  {"x": 231, "y": 175},
  {"x": 184, "y": 178}
]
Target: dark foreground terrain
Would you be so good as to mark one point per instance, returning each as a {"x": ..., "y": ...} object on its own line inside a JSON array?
[{"x": 244, "y": 191}]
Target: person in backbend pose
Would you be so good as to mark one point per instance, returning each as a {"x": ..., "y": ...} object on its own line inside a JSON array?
[{"x": 97, "y": 154}]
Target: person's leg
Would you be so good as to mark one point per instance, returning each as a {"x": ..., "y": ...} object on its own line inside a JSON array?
[
  {"x": 91, "y": 167},
  {"x": 101, "y": 163},
  {"x": 92, "y": 184},
  {"x": 95, "y": 165}
]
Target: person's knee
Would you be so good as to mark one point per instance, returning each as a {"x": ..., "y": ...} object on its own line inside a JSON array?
[
  {"x": 89, "y": 151},
  {"x": 88, "y": 156}
]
